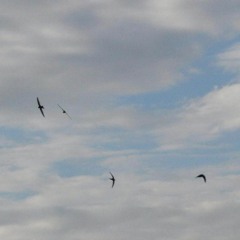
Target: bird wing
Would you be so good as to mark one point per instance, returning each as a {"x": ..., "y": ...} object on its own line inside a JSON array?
[
  {"x": 61, "y": 107},
  {"x": 205, "y": 180},
  {"x": 111, "y": 175},
  {"x": 42, "y": 112},
  {"x": 113, "y": 182},
  {"x": 68, "y": 115},
  {"x": 38, "y": 102}
]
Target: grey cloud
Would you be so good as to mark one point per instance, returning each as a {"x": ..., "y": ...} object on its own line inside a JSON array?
[
  {"x": 77, "y": 48},
  {"x": 215, "y": 18},
  {"x": 81, "y": 47}
]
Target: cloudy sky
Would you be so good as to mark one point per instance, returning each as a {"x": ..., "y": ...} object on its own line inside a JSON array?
[{"x": 153, "y": 90}]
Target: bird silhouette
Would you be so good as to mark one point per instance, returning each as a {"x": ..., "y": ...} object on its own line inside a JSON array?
[
  {"x": 40, "y": 107},
  {"x": 202, "y": 176},
  {"x": 112, "y": 179},
  {"x": 64, "y": 111}
]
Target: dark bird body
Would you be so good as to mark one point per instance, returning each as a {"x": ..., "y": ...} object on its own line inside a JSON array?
[
  {"x": 41, "y": 107},
  {"x": 64, "y": 111},
  {"x": 112, "y": 179},
  {"x": 202, "y": 176}
]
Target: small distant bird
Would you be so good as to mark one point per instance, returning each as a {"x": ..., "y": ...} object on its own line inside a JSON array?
[
  {"x": 64, "y": 111},
  {"x": 112, "y": 179},
  {"x": 40, "y": 107},
  {"x": 202, "y": 176}
]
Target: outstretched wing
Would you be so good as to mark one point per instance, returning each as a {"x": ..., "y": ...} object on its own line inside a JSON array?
[
  {"x": 113, "y": 182},
  {"x": 111, "y": 175},
  {"x": 61, "y": 108},
  {"x": 42, "y": 112},
  {"x": 39, "y": 104},
  {"x": 68, "y": 115},
  {"x": 204, "y": 177}
]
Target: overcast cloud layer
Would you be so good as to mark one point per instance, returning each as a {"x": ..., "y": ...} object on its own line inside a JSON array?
[{"x": 153, "y": 90}]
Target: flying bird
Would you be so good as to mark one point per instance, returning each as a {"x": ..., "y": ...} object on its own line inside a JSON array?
[
  {"x": 41, "y": 107},
  {"x": 202, "y": 176},
  {"x": 64, "y": 111},
  {"x": 112, "y": 179}
]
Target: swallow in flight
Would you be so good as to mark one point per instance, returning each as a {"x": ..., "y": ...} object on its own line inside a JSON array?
[
  {"x": 64, "y": 111},
  {"x": 112, "y": 179},
  {"x": 40, "y": 107},
  {"x": 202, "y": 176}
]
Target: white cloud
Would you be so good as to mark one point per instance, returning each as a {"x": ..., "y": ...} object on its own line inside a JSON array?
[
  {"x": 230, "y": 59},
  {"x": 203, "y": 119}
]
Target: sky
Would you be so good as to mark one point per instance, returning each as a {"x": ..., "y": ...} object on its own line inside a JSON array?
[{"x": 153, "y": 91}]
